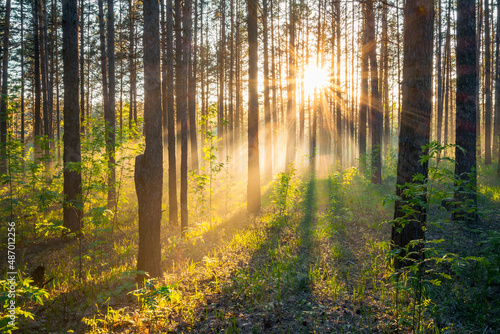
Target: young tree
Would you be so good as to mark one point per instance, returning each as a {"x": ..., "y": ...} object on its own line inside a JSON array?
[
  {"x": 72, "y": 188},
  {"x": 149, "y": 166},
  {"x": 465, "y": 154},
  {"x": 415, "y": 119},
  {"x": 253, "y": 185}
]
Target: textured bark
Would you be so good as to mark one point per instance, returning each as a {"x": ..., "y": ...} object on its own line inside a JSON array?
[
  {"x": 363, "y": 109},
  {"x": 182, "y": 112},
  {"x": 253, "y": 185},
  {"x": 385, "y": 80},
  {"x": 439, "y": 116},
  {"x": 132, "y": 116},
  {"x": 4, "y": 97},
  {"x": 22, "y": 86},
  {"x": 415, "y": 118},
  {"x": 291, "y": 117},
  {"x": 496, "y": 120},
  {"x": 149, "y": 166},
  {"x": 465, "y": 154},
  {"x": 488, "y": 110},
  {"x": 72, "y": 188},
  {"x": 82, "y": 70},
  {"x": 37, "y": 131},
  {"x": 172, "y": 172},
  {"x": 268, "y": 168},
  {"x": 190, "y": 32},
  {"x": 338, "y": 100},
  {"x": 376, "y": 107},
  {"x": 109, "y": 113}
]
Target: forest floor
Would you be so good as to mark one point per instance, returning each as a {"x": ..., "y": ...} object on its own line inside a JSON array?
[{"x": 314, "y": 261}]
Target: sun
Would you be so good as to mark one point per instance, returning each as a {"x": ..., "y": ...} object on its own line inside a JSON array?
[{"x": 315, "y": 77}]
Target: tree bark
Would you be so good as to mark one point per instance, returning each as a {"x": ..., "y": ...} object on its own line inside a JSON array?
[
  {"x": 487, "y": 85},
  {"x": 268, "y": 171},
  {"x": 415, "y": 126},
  {"x": 4, "y": 97},
  {"x": 149, "y": 166},
  {"x": 465, "y": 154},
  {"x": 72, "y": 188},
  {"x": 172, "y": 171},
  {"x": 253, "y": 185},
  {"x": 291, "y": 119}
]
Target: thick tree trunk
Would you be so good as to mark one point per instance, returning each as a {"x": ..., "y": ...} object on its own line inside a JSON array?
[
  {"x": 253, "y": 185},
  {"x": 465, "y": 154},
  {"x": 149, "y": 166},
  {"x": 72, "y": 188},
  {"x": 415, "y": 126}
]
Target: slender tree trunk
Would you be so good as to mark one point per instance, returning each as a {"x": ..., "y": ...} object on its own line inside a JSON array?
[
  {"x": 488, "y": 109},
  {"x": 376, "y": 110},
  {"x": 191, "y": 54},
  {"x": 47, "y": 109},
  {"x": 479, "y": 28},
  {"x": 385, "y": 82},
  {"x": 465, "y": 154},
  {"x": 172, "y": 172},
  {"x": 291, "y": 119},
  {"x": 363, "y": 109},
  {"x": 268, "y": 173},
  {"x": 415, "y": 126},
  {"x": 109, "y": 114},
  {"x": 82, "y": 69},
  {"x": 439, "y": 121},
  {"x": 72, "y": 188},
  {"x": 38, "y": 95},
  {"x": 182, "y": 112},
  {"x": 132, "y": 106},
  {"x": 338, "y": 100},
  {"x": 22, "y": 88},
  {"x": 222, "y": 68},
  {"x": 496, "y": 120},
  {"x": 253, "y": 185},
  {"x": 149, "y": 166},
  {"x": 4, "y": 97}
]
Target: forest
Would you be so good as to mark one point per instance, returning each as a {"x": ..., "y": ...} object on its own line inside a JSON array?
[{"x": 257, "y": 166}]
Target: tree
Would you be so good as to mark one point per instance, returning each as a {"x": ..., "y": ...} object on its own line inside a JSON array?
[
  {"x": 465, "y": 154},
  {"x": 149, "y": 166},
  {"x": 376, "y": 109},
  {"x": 291, "y": 117},
  {"x": 267, "y": 105},
  {"x": 4, "y": 97},
  {"x": 72, "y": 188},
  {"x": 109, "y": 112},
  {"x": 415, "y": 120},
  {"x": 488, "y": 111},
  {"x": 253, "y": 185},
  {"x": 172, "y": 179}
]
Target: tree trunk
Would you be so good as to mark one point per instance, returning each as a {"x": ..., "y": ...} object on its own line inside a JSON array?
[
  {"x": 376, "y": 110},
  {"x": 4, "y": 98},
  {"x": 338, "y": 100},
  {"x": 253, "y": 185},
  {"x": 363, "y": 109},
  {"x": 191, "y": 64},
  {"x": 82, "y": 70},
  {"x": 109, "y": 114},
  {"x": 148, "y": 166},
  {"x": 291, "y": 119},
  {"x": 72, "y": 188},
  {"x": 37, "y": 131},
  {"x": 465, "y": 154},
  {"x": 487, "y": 85},
  {"x": 439, "y": 121},
  {"x": 415, "y": 126},
  {"x": 268, "y": 172},
  {"x": 172, "y": 171}
]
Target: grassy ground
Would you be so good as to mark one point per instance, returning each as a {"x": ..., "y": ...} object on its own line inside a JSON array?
[{"x": 314, "y": 261}]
